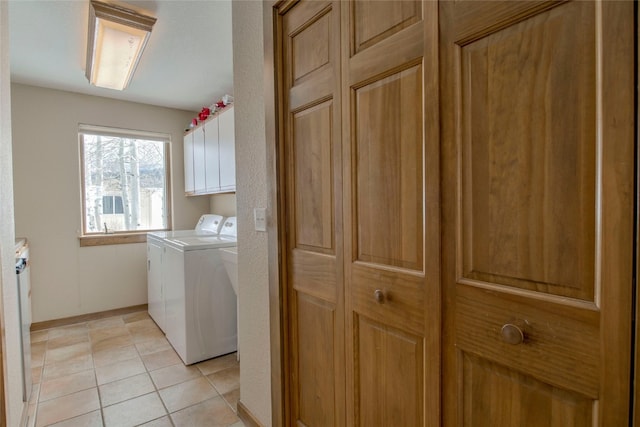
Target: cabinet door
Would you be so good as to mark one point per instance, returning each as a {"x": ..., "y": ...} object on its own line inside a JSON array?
[
  {"x": 154, "y": 283},
  {"x": 538, "y": 141},
  {"x": 199, "y": 160},
  {"x": 188, "y": 163},
  {"x": 212, "y": 168},
  {"x": 313, "y": 192},
  {"x": 361, "y": 164},
  {"x": 392, "y": 231},
  {"x": 227, "y": 151}
]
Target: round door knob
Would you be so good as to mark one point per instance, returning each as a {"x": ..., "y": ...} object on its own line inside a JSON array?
[
  {"x": 511, "y": 334},
  {"x": 378, "y": 294}
]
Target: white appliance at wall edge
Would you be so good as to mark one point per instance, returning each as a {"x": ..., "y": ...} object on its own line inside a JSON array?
[
  {"x": 230, "y": 260},
  {"x": 200, "y": 303},
  {"x": 23, "y": 283},
  {"x": 207, "y": 225}
]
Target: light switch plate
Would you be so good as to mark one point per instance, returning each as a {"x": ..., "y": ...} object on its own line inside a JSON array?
[{"x": 260, "y": 219}]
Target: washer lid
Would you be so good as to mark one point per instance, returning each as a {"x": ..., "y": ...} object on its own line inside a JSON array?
[
  {"x": 156, "y": 236},
  {"x": 210, "y": 222},
  {"x": 160, "y": 236},
  {"x": 188, "y": 233},
  {"x": 189, "y": 243}
]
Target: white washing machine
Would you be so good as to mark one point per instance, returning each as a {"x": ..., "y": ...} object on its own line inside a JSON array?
[
  {"x": 208, "y": 225},
  {"x": 200, "y": 304}
]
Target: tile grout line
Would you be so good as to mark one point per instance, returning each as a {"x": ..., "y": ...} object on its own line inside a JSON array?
[
  {"x": 155, "y": 387},
  {"x": 44, "y": 362},
  {"x": 69, "y": 393},
  {"x": 95, "y": 375},
  {"x": 147, "y": 371},
  {"x": 218, "y": 391}
]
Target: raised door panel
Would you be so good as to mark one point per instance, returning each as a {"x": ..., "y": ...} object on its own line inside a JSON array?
[
  {"x": 312, "y": 199},
  {"x": 312, "y": 146},
  {"x": 316, "y": 357},
  {"x": 211, "y": 154},
  {"x": 538, "y": 138},
  {"x": 377, "y": 20},
  {"x": 199, "y": 164},
  {"x": 495, "y": 396},
  {"x": 310, "y": 50},
  {"x": 227, "y": 150},
  {"x": 528, "y": 161},
  {"x": 389, "y": 375},
  {"x": 388, "y": 172},
  {"x": 392, "y": 247}
]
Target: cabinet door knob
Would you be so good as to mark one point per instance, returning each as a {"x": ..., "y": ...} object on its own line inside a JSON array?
[
  {"x": 378, "y": 294},
  {"x": 511, "y": 334}
]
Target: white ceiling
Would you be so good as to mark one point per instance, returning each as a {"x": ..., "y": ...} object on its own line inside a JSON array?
[{"x": 187, "y": 63}]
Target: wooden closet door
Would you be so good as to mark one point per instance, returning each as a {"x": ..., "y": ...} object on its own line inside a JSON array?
[
  {"x": 391, "y": 158},
  {"x": 312, "y": 180},
  {"x": 538, "y": 161}
]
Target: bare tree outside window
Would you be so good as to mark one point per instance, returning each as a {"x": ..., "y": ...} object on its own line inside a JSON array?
[{"x": 124, "y": 183}]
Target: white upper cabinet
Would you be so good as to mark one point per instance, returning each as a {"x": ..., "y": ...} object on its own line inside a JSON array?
[
  {"x": 209, "y": 156},
  {"x": 211, "y": 150},
  {"x": 227, "y": 152},
  {"x": 189, "y": 185},
  {"x": 198, "y": 160}
]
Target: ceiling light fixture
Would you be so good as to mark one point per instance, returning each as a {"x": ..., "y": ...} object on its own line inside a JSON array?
[{"x": 117, "y": 37}]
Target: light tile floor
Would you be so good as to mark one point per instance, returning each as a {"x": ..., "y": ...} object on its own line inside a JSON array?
[{"x": 121, "y": 371}]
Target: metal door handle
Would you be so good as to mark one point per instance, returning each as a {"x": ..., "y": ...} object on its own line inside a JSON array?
[
  {"x": 511, "y": 334},
  {"x": 379, "y": 296}
]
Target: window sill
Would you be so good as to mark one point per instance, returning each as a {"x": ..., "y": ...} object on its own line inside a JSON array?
[{"x": 112, "y": 239}]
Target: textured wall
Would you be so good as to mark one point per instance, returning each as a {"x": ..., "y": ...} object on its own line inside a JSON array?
[
  {"x": 255, "y": 383},
  {"x": 8, "y": 296},
  {"x": 69, "y": 280}
]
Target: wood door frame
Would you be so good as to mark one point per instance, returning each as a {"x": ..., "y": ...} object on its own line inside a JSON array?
[
  {"x": 635, "y": 395},
  {"x": 275, "y": 199}
]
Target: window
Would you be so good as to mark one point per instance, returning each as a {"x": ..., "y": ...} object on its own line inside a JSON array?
[
  {"x": 111, "y": 205},
  {"x": 124, "y": 181}
]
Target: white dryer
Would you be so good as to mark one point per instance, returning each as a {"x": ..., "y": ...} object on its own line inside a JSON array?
[
  {"x": 200, "y": 304},
  {"x": 208, "y": 225}
]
